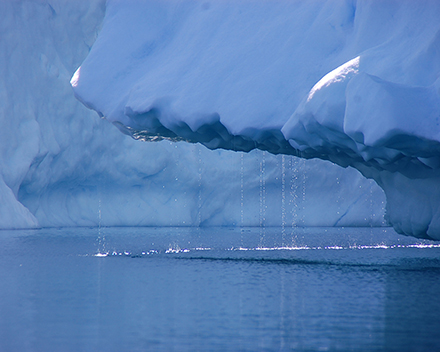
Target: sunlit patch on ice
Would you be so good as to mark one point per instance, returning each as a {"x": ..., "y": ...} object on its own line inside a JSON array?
[
  {"x": 75, "y": 77},
  {"x": 337, "y": 75}
]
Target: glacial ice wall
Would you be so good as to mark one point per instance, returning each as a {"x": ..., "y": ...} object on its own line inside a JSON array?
[
  {"x": 61, "y": 165},
  {"x": 356, "y": 82}
]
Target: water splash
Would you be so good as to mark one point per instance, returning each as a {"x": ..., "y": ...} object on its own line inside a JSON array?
[{"x": 176, "y": 249}]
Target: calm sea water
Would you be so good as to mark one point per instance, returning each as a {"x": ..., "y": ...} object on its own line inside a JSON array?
[{"x": 218, "y": 289}]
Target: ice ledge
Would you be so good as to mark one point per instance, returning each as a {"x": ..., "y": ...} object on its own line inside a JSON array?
[
  {"x": 231, "y": 77},
  {"x": 352, "y": 119}
]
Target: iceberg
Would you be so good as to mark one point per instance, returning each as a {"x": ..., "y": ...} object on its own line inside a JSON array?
[
  {"x": 353, "y": 82},
  {"x": 61, "y": 165}
]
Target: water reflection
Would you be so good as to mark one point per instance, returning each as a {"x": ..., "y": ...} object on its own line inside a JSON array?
[
  {"x": 218, "y": 289},
  {"x": 411, "y": 309}
]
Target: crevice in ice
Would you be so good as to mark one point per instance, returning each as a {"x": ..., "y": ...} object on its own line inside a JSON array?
[{"x": 351, "y": 206}]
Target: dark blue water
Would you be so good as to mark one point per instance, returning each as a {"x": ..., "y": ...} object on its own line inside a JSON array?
[{"x": 186, "y": 289}]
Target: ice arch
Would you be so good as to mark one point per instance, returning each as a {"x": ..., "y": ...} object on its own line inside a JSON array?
[
  {"x": 60, "y": 165},
  {"x": 353, "y": 82}
]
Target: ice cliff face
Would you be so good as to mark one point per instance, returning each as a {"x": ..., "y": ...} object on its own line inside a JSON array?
[
  {"x": 353, "y": 82},
  {"x": 60, "y": 165},
  {"x": 42, "y": 140}
]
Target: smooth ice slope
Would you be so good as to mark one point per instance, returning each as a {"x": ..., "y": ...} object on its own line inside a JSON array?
[
  {"x": 60, "y": 165},
  {"x": 353, "y": 82}
]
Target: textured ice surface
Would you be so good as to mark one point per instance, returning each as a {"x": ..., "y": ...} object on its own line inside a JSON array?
[
  {"x": 353, "y": 82},
  {"x": 60, "y": 165}
]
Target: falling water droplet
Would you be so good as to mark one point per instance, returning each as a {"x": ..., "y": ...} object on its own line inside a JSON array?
[
  {"x": 101, "y": 237},
  {"x": 199, "y": 198},
  {"x": 304, "y": 183},
  {"x": 338, "y": 198},
  {"x": 294, "y": 191},
  {"x": 283, "y": 199},
  {"x": 262, "y": 196},
  {"x": 99, "y": 214},
  {"x": 241, "y": 190}
]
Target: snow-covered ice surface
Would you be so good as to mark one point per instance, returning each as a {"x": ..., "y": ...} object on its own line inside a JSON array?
[
  {"x": 353, "y": 82},
  {"x": 60, "y": 165}
]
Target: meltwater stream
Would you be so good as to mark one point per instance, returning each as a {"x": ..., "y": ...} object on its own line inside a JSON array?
[{"x": 218, "y": 289}]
